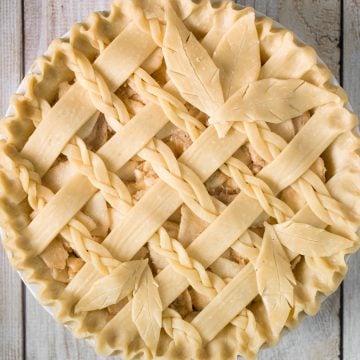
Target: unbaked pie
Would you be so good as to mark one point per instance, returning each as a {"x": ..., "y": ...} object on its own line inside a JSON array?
[{"x": 180, "y": 179}]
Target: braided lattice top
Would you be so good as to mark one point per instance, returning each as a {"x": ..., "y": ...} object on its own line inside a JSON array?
[{"x": 185, "y": 185}]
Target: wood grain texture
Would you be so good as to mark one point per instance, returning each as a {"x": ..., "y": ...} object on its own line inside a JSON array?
[
  {"x": 351, "y": 83},
  {"x": 44, "y": 21},
  {"x": 317, "y": 23},
  {"x": 269, "y": 7},
  {"x": 11, "y": 330},
  {"x": 47, "y": 339}
]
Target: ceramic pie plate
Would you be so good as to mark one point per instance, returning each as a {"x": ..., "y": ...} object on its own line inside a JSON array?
[{"x": 33, "y": 288}]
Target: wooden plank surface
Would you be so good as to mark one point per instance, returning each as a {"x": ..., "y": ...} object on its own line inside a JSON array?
[
  {"x": 351, "y": 82},
  {"x": 11, "y": 64},
  {"x": 45, "y": 20},
  {"x": 31, "y": 333}
]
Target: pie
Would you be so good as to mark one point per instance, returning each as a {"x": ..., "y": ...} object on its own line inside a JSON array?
[{"x": 180, "y": 179}]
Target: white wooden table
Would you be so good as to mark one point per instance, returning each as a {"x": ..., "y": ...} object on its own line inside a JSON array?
[{"x": 26, "y": 29}]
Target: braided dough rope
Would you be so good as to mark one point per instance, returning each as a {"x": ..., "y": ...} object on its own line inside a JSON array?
[
  {"x": 102, "y": 98},
  {"x": 176, "y": 327},
  {"x": 151, "y": 25},
  {"x": 249, "y": 334},
  {"x": 182, "y": 178},
  {"x": 113, "y": 189},
  {"x": 257, "y": 189},
  {"x": 174, "y": 109},
  {"x": 76, "y": 231},
  {"x": 269, "y": 145},
  {"x": 234, "y": 168},
  {"x": 206, "y": 283},
  {"x": 203, "y": 281}
]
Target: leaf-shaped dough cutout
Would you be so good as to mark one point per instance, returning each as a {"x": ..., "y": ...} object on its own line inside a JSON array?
[
  {"x": 273, "y": 100},
  {"x": 190, "y": 67},
  {"x": 238, "y": 54},
  {"x": 308, "y": 240},
  {"x": 112, "y": 288},
  {"x": 275, "y": 280},
  {"x": 238, "y": 58},
  {"x": 147, "y": 310}
]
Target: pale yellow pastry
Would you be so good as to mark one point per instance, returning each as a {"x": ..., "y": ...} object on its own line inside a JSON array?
[{"x": 180, "y": 179}]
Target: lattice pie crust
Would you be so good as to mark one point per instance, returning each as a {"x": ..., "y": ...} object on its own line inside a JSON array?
[{"x": 180, "y": 179}]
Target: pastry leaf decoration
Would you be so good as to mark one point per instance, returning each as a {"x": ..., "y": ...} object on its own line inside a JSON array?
[
  {"x": 190, "y": 67},
  {"x": 111, "y": 289},
  {"x": 275, "y": 280},
  {"x": 147, "y": 310},
  {"x": 238, "y": 54},
  {"x": 307, "y": 240},
  {"x": 273, "y": 100},
  {"x": 238, "y": 58}
]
